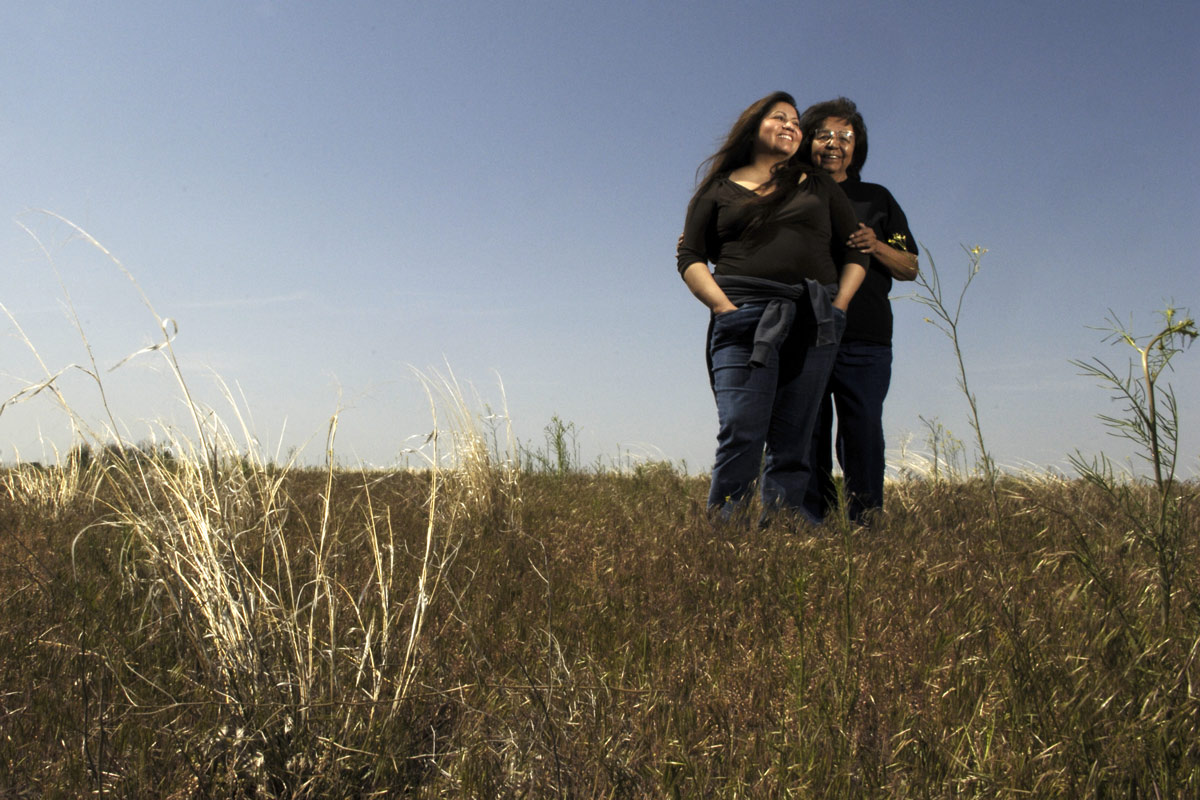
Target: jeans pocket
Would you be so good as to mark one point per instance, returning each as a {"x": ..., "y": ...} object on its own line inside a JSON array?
[{"x": 735, "y": 327}]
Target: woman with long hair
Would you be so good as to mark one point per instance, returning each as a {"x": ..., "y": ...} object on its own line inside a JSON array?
[{"x": 775, "y": 231}]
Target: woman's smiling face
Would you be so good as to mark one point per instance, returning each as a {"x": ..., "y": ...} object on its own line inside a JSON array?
[
  {"x": 779, "y": 132},
  {"x": 833, "y": 147}
]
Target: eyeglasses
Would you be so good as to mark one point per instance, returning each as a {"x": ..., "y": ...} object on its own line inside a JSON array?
[{"x": 826, "y": 136}]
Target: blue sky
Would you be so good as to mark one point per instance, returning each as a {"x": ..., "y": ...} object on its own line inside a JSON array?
[{"x": 328, "y": 195}]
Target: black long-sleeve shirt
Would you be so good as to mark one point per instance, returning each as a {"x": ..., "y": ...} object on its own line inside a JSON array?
[
  {"x": 869, "y": 318},
  {"x": 805, "y": 239}
]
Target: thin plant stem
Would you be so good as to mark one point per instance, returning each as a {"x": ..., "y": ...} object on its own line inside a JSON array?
[{"x": 947, "y": 321}]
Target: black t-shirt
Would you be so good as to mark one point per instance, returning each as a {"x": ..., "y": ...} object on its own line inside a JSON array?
[
  {"x": 869, "y": 318},
  {"x": 804, "y": 240}
]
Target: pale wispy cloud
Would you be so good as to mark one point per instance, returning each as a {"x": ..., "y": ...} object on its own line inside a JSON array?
[{"x": 245, "y": 302}]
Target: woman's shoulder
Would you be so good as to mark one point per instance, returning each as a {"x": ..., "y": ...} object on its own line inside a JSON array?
[
  {"x": 814, "y": 179},
  {"x": 875, "y": 195},
  {"x": 718, "y": 183},
  {"x": 858, "y": 187},
  {"x": 817, "y": 181},
  {"x": 724, "y": 188},
  {"x": 708, "y": 189}
]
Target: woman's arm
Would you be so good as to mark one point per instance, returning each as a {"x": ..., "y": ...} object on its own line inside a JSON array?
[
  {"x": 692, "y": 254},
  {"x": 694, "y": 244},
  {"x": 901, "y": 263},
  {"x": 844, "y": 224},
  {"x": 851, "y": 278},
  {"x": 704, "y": 286}
]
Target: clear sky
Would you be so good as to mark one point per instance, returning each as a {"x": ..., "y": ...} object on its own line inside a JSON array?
[{"x": 327, "y": 195}]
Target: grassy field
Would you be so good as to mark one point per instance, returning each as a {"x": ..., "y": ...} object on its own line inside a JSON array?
[
  {"x": 477, "y": 631},
  {"x": 186, "y": 620}
]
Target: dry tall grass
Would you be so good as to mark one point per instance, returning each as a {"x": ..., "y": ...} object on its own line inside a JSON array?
[
  {"x": 284, "y": 611},
  {"x": 591, "y": 636}
]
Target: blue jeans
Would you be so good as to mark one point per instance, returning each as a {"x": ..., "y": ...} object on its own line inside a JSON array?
[
  {"x": 774, "y": 407},
  {"x": 857, "y": 388}
]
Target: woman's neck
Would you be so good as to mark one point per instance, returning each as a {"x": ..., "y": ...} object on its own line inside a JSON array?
[{"x": 757, "y": 172}]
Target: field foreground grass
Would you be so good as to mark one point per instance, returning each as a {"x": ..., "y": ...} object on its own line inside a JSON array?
[{"x": 433, "y": 634}]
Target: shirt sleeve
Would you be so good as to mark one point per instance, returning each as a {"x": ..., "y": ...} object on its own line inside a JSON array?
[
  {"x": 896, "y": 232},
  {"x": 696, "y": 244},
  {"x": 843, "y": 223}
]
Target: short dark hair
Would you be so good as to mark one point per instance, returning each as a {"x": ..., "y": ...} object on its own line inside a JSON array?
[{"x": 841, "y": 108}]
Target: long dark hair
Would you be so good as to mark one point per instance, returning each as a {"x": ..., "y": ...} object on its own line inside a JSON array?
[
  {"x": 738, "y": 151},
  {"x": 839, "y": 108}
]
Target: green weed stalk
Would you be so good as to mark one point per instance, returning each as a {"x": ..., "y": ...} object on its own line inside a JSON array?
[
  {"x": 946, "y": 318},
  {"x": 1151, "y": 422}
]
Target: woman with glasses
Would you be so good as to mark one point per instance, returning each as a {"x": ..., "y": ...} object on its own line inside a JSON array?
[
  {"x": 836, "y": 142},
  {"x": 776, "y": 232}
]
